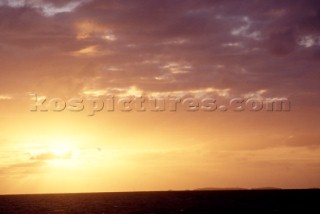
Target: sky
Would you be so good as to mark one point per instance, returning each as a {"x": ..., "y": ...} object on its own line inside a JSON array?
[{"x": 220, "y": 49}]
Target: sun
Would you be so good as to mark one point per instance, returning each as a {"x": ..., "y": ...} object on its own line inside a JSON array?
[{"x": 63, "y": 152}]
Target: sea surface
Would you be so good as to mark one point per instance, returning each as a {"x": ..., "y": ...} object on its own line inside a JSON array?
[{"x": 240, "y": 201}]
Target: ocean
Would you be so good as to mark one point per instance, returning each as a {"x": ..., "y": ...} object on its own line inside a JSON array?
[{"x": 231, "y": 201}]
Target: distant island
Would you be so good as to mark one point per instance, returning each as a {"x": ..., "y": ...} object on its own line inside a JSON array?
[{"x": 235, "y": 188}]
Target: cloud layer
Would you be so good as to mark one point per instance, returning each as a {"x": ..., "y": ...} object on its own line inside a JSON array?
[{"x": 161, "y": 46}]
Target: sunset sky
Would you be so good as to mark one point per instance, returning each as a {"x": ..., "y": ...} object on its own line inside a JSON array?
[{"x": 157, "y": 48}]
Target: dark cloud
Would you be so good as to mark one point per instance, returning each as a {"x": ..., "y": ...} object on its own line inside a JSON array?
[
  {"x": 34, "y": 164},
  {"x": 118, "y": 44},
  {"x": 51, "y": 156},
  {"x": 23, "y": 168}
]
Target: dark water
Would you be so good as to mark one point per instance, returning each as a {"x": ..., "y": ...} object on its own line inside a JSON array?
[{"x": 251, "y": 201}]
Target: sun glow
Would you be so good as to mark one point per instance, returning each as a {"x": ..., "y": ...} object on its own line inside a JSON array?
[
  {"x": 63, "y": 152},
  {"x": 56, "y": 151}
]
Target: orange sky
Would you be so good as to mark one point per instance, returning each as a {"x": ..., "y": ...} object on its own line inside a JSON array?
[{"x": 219, "y": 49}]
